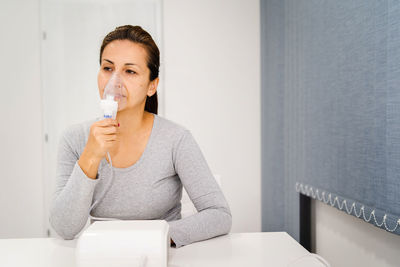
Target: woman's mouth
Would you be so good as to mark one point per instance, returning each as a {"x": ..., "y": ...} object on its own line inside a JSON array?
[{"x": 118, "y": 97}]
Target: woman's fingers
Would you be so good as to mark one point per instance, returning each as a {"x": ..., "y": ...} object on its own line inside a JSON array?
[
  {"x": 109, "y": 130},
  {"x": 107, "y": 123},
  {"x": 103, "y": 136},
  {"x": 110, "y": 137}
]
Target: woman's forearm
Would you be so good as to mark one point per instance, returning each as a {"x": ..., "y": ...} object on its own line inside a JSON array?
[
  {"x": 89, "y": 164},
  {"x": 70, "y": 209}
]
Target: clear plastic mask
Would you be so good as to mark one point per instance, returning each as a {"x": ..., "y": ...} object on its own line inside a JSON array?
[
  {"x": 115, "y": 89},
  {"x": 114, "y": 96}
]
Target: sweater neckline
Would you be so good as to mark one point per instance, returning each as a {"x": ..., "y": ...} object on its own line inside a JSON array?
[{"x": 144, "y": 154}]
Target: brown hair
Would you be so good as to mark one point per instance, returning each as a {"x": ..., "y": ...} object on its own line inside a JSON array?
[{"x": 137, "y": 35}]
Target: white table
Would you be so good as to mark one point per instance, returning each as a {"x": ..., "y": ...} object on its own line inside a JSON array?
[{"x": 273, "y": 249}]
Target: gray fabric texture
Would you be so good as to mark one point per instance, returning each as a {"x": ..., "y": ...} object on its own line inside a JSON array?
[{"x": 150, "y": 189}]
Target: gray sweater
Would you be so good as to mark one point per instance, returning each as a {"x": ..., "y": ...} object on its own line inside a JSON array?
[{"x": 150, "y": 189}]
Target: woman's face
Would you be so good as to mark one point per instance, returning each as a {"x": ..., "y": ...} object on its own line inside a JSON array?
[{"x": 128, "y": 60}]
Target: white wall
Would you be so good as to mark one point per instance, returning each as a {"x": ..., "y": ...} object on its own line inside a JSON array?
[
  {"x": 212, "y": 83},
  {"x": 21, "y": 188},
  {"x": 347, "y": 241}
]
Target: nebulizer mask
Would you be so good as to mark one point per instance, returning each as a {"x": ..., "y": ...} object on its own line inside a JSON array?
[{"x": 114, "y": 98}]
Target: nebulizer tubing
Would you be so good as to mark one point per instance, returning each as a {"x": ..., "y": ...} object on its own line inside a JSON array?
[{"x": 109, "y": 104}]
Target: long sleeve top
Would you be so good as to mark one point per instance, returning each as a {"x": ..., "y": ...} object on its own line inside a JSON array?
[{"x": 150, "y": 189}]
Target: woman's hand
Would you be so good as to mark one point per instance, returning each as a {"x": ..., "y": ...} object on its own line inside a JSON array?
[{"x": 102, "y": 137}]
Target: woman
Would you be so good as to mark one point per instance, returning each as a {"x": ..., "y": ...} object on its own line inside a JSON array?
[{"x": 152, "y": 157}]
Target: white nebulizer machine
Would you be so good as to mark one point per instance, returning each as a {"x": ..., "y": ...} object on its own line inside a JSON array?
[
  {"x": 113, "y": 242},
  {"x": 134, "y": 243}
]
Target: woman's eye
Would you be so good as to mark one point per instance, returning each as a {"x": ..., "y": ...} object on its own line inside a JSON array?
[
  {"x": 107, "y": 69},
  {"x": 130, "y": 71}
]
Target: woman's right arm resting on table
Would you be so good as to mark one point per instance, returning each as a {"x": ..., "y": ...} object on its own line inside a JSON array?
[{"x": 75, "y": 183}]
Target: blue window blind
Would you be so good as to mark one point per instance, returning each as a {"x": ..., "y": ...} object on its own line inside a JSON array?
[{"x": 331, "y": 109}]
